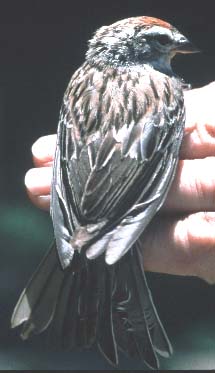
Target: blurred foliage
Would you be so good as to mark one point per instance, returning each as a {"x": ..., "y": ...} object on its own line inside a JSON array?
[{"x": 24, "y": 224}]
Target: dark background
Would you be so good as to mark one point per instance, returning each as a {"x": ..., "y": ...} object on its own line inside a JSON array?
[{"x": 41, "y": 45}]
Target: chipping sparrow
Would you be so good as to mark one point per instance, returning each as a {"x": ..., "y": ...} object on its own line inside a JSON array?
[{"x": 119, "y": 135}]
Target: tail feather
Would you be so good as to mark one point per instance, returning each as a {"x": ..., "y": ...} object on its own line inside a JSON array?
[
  {"x": 83, "y": 311},
  {"x": 139, "y": 330},
  {"x": 158, "y": 335},
  {"x": 71, "y": 320},
  {"x": 133, "y": 336},
  {"x": 56, "y": 331},
  {"x": 105, "y": 332},
  {"x": 93, "y": 302},
  {"x": 88, "y": 303},
  {"x": 39, "y": 297}
]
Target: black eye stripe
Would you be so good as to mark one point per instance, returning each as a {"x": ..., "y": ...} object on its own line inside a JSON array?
[{"x": 163, "y": 39}]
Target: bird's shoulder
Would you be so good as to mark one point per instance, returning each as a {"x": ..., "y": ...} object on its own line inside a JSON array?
[{"x": 99, "y": 99}]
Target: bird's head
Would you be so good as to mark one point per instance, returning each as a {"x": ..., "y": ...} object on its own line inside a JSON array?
[{"x": 136, "y": 41}]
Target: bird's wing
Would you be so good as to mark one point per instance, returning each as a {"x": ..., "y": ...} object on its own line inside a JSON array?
[{"x": 116, "y": 174}]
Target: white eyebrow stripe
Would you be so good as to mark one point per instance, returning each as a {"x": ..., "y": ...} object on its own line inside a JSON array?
[{"x": 158, "y": 30}]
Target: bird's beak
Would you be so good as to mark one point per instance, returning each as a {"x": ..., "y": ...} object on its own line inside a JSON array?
[{"x": 183, "y": 45}]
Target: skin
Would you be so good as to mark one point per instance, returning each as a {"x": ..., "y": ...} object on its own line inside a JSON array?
[{"x": 181, "y": 239}]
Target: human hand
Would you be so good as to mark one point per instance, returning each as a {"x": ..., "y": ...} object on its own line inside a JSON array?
[{"x": 181, "y": 239}]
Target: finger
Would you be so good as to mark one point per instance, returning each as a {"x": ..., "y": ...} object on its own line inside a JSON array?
[
  {"x": 38, "y": 183},
  {"x": 193, "y": 188},
  {"x": 199, "y": 138},
  {"x": 182, "y": 247},
  {"x": 42, "y": 202},
  {"x": 43, "y": 150},
  {"x": 198, "y": 142}
]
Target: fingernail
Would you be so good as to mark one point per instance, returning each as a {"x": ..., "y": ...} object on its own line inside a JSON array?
[
  {"x": 43, "y": 202},
  {"x": 38, "y": 180},
  {"x": 44, "y": 148}
]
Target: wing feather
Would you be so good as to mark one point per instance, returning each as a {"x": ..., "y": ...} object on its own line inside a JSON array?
[{"x": 116, "y": 170}]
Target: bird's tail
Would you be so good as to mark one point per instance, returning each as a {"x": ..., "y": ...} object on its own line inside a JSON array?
[
  {"x": 94, "y": 303},
  {"x": 138, "y": 329}
]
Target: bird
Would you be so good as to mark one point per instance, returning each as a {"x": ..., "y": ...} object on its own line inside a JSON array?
[{"x": 119, "y": 134}]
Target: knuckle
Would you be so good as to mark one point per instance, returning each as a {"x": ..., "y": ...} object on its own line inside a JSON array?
[
  {"x": 205, "y": 127},
  {"x": 201, "y": 243},
  {"x": 203, "y": 184}
]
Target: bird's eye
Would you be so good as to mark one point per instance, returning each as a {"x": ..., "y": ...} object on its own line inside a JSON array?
[{"x": 163, "y": 39}]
